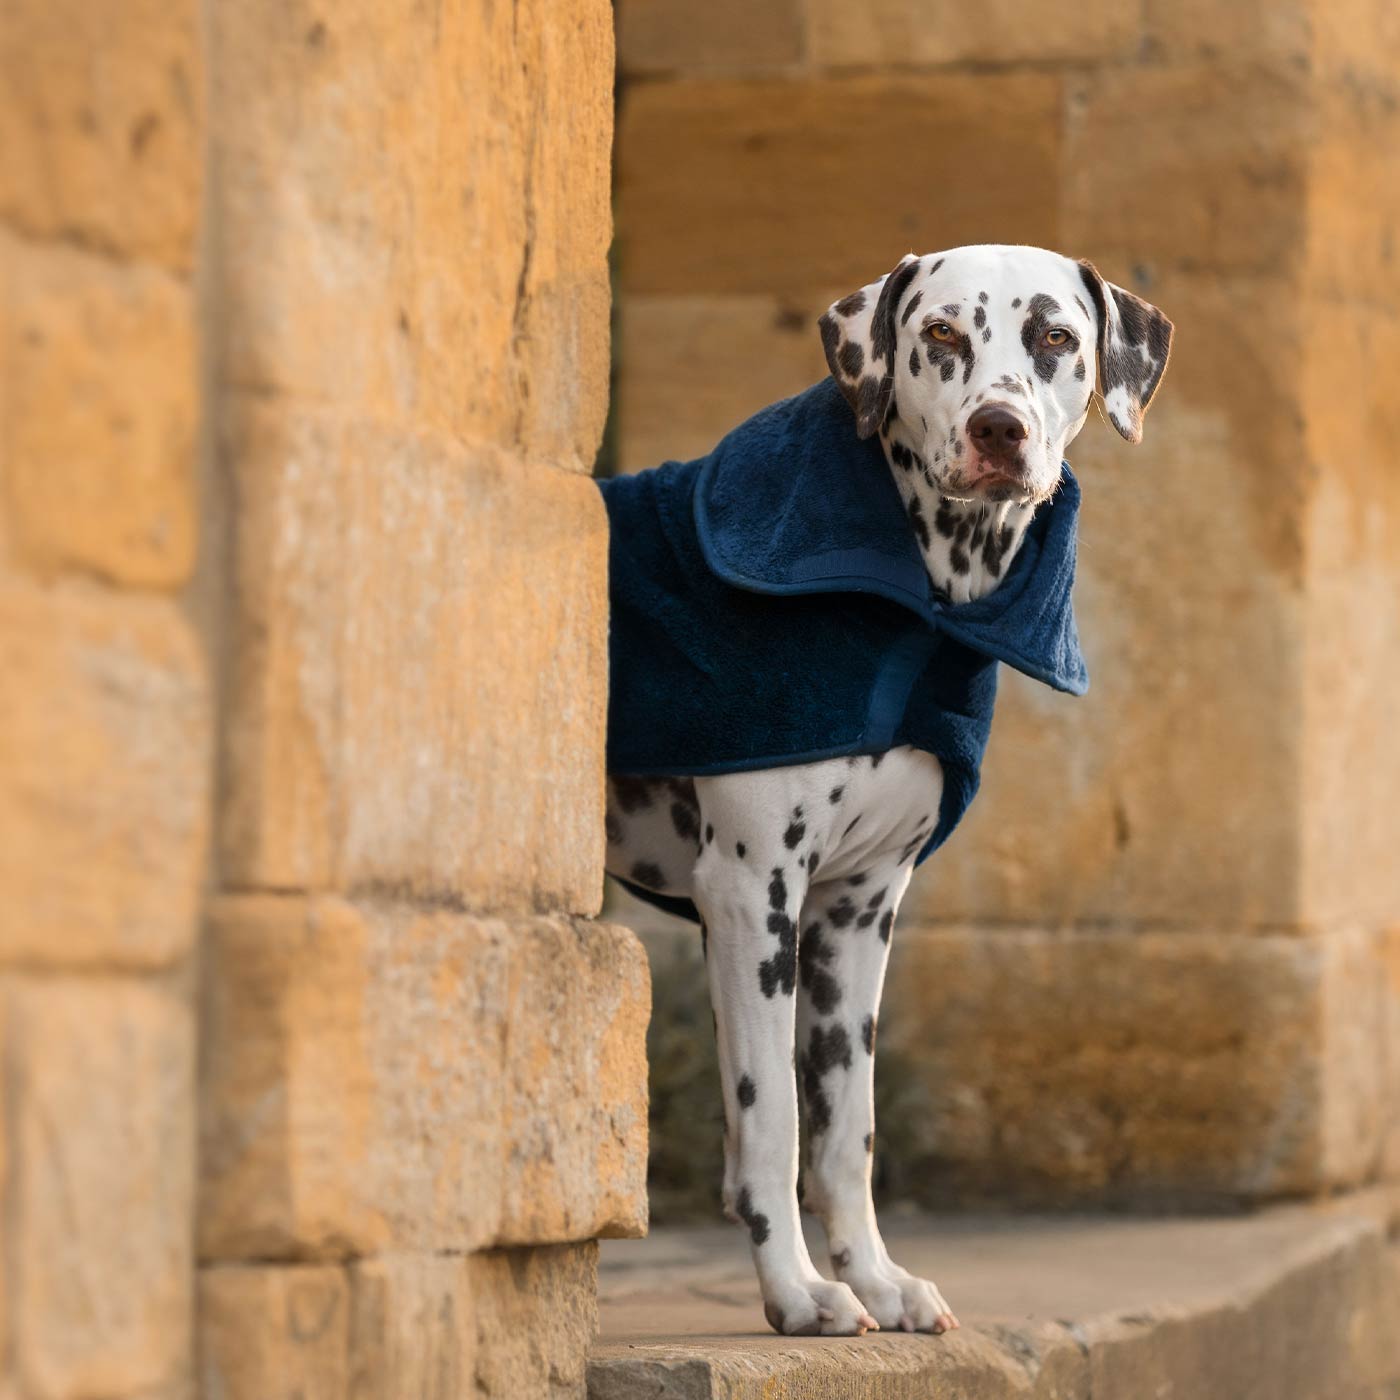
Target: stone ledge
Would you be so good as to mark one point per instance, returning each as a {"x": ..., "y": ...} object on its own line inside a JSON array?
[{"x": 1292, "y": 1303}]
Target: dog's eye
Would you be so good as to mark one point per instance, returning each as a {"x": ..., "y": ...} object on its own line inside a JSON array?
[
  {"x": 940, "y": 331},
  {"x": 1058, "y": 335}
]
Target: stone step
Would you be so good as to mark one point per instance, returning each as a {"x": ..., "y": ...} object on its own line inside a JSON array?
[{"x": 1289, "y": 1303}]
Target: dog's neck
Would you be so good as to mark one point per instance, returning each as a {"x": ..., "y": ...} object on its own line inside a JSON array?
[{"x": 967, "y": 546}]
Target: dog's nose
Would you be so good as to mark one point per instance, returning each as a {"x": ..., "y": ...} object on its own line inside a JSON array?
[{"x": 996, "y": 431}]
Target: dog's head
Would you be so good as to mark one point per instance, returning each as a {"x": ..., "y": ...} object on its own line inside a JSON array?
[{"x": 980, "y": 363}]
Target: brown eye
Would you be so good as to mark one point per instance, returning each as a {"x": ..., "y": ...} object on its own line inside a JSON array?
[
  {"x": 940, "y": 331},
  {"x": 1057, "y": 336}
]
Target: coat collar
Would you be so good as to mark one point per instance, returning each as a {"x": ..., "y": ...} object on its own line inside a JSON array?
[{"x": 793, "y": 502}]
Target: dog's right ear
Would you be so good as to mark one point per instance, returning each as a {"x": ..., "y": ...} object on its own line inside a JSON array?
[{"x": 858, "y": 335}]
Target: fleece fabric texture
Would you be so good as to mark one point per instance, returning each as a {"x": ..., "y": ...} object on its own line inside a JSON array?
[{"x": 770, "y": 606}]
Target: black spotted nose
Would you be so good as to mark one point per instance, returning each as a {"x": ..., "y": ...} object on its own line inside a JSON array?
[{"x": 996, "y": 431}]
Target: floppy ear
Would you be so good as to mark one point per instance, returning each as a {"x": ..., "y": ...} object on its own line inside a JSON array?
[
  {"x": 858, "y": 335},
  {"x": 1134, "y": 342}
]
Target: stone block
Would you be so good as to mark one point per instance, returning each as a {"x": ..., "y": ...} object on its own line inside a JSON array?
[
  {"x": 512, "y": 1324},
  {"x": 100, "y": 1118},
  {"x": 729, "y": 36},
  {"x": 1277, "y": 33},
  {"x": 1168, "y": 794},
  {"x": 102, "y": 107},
  {"x": 420, "y": 668},
  {"x": 279, "y": 1332},
  {"x": 461, "y": 285},
  {"x": 691, "y": 368},
  {"x": 895, "y": 33},
  {"x": 382, "y": 1079},
  {"x": 1349, "y": 774},
  {"x": 1193, "y": 166},
  {"x": 711, "y": 202},
  {"x": 105, "y": 756},
  {"x": 1149, "y": 1068},
  {"x": 100, "y": 397}
]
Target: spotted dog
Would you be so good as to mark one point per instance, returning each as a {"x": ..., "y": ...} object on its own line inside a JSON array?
[{"x": 973, "y": 370}]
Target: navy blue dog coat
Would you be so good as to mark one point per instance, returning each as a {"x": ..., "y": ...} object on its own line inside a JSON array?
[{"x": 770, "y": 606}]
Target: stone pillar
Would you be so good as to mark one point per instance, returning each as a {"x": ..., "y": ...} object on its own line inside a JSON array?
[
  {"x": 1158, "y": 960},
  {"x": 423, "y": 1087},
  {"x": 104, "y": 701}
]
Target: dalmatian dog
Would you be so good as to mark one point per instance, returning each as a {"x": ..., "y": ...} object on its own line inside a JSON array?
[{"x": 990, "y": 353}]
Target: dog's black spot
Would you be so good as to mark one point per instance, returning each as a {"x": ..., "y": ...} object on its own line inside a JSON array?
[
  {"x": 915, "y": 368},
  {"x": 944, "y": 521},
  {"x": 777, "y": 889},
  {"x": 612, "y": 828},
  {"x": 882, "y": 331},
  {"x": 958, "y": 559},
  {"x": 813, "y": 860},
  {"x": 982, "y": 297},
  {"x": 968, "y": 356},
  {"x": 648, "y": 875},
  {"x": 916, "y": 519},
  {"x": 848, "y": 306},
  {"x": 780, "y": 971},
  {"x": 857, "y": 879},
  {"x": 909, "y": 309},
  {"x": 633, "y": 794},
  {"x": 867, "y": 1034},
  {"x": 1041, "y": 311},
  {"x": 876, "y": 759},
  {"x": 935, "y": 267},
  {"x": 891, "y": 414},
  {"x": 950, "y": 308},
  {"x": 755, "y": 1220},
  {"x": 828, "y": 1049},
  {"x": 887, "y": 918},
  {"x": 794, "y": 834},
  {"x": 986, "y": 335},
  {"x": 995, "y": 550},
  {"x": 851, "y": 358},
  {"x": 747, "y": 1093},
  {"x": 841, "y": 913},
  {"x": 979, "y": 316},
  {"x": 1079, "y": 368},
  {"x": 1015, "y": 302},
  {"x": 946, "y": 370},
  {"x": 686, "y": 821},
  {"x": 867, "y": 401},
  {"x": 834, "y": 796},
  {"x": 740, "y": 849},
  {"x": 870, "y": 1142},
  {"x": 704, "y": 940},
  {"x": 709, "y": 832},
  {"x": 814, "y": 957},
  {"x": 867, "y": 918}
]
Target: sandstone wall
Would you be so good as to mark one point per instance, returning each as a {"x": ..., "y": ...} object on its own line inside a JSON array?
[
  {"x": 318, "y": 1075},
  {"x": 1158, "y": 959}
]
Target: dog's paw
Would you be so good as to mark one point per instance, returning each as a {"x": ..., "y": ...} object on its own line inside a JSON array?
[
  {"x": 899, "y": 1301},
  {"x": 818, "y": 1308}
]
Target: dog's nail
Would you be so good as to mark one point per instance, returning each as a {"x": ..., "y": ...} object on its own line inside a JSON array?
[
  {"x": 907, "y": 1323},
  {"x": 867, "y": 1321}
]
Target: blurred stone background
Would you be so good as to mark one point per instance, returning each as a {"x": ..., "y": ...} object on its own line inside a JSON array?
[{"x": 1160, "y": 962}]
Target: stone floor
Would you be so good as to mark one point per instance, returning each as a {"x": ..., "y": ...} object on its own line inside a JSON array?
[{"x": 1291, "y": 1303}]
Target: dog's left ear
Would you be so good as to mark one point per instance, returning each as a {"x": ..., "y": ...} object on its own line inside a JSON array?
[
  {"x": 858, "y": 335},
  {"x": 1134, "y": 342}
]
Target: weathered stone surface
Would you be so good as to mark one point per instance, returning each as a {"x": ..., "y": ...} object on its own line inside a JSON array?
[
  {"x": 681, "y": 387},
  {"x": 102, "y": 115},
  {"x": 895, "y": 33},
  {"x": 1138, "y": 1067},
  {"x": 104, "y": 755},
  {"x": 1285, "y": 1304},
  {"x": 1194, "y": 166},
  {"x": 461, "y": 285},
  {"x": 731, "y": 150},
  {"x": 420, "y": 668},
  {"x": 727, "y": 36},
  {"x": 377, "y": 1078},
  {"x": 98, "y": 1239},
  {"x": 100, "y": 395},
  {"x": 511, "y": 1324}
]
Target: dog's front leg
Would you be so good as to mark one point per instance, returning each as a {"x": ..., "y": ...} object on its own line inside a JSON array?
[
  {"x": 845, "y": 943},
  {"x": 750, "y": 907}
]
